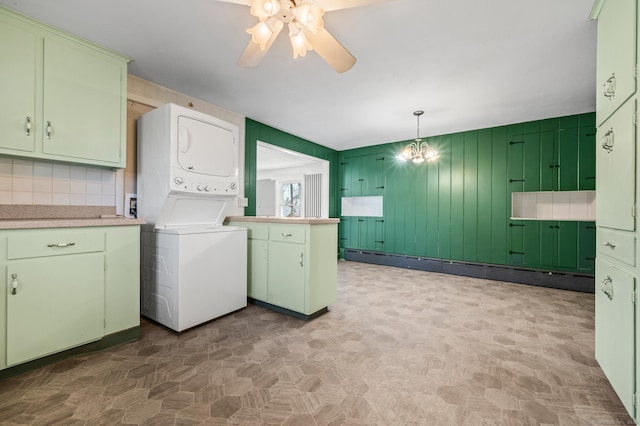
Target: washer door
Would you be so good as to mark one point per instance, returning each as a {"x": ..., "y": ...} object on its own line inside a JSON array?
[{"x": 206, "y": 148}]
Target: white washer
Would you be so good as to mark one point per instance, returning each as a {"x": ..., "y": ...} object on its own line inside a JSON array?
[
  {"x": 193, "y": 274},
  {"x": 194, "y": 269}
]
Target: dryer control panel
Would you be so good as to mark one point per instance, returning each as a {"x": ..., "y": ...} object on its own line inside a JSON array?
[{"x": 194, "y": 183}]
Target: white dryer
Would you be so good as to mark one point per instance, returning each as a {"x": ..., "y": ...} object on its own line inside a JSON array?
[{"x": 193, "y": 269}]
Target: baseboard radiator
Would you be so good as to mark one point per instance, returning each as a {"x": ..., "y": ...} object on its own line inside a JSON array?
[{"x": 554, "y": 279}]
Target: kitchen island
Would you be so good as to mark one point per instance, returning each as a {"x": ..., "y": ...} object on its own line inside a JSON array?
[{"x": 292, "y": 263}]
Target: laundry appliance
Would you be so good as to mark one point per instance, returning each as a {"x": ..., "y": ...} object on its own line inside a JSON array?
[{"x": 194, "y": 269}]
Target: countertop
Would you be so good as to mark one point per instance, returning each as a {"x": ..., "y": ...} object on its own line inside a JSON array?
[
  {"x": 289, "y": 220},
  {"x": 37, "y": 216},
  {"x": 67, "y": 223}
]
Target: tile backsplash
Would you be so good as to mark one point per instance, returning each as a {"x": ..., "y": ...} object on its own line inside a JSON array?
[{"x": 29, "y": 182}]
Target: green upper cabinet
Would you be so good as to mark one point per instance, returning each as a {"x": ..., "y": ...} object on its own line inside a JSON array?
[
  {"x": 615, "y": 161},
  {"x": 19, "y": 53},
  {"x": 63, "y": 98},
  {"x": 616, "y": 68},
  {"x": 362, "y": 176}
]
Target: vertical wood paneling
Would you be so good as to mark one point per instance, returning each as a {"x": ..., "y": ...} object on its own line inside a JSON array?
[
  {"x": 444, "y": 198},
  {"x": 421, "y": 219},
  {"x": 470, "y": 204},
  {"x": 485, "y": 190},
  {"x": 457, "y": 196},
  {"x": 432, "y": 209},
  {"x": 500, "y": 202}
]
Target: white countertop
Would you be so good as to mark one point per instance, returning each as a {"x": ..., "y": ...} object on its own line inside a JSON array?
[{"x": 289, "y": 220}]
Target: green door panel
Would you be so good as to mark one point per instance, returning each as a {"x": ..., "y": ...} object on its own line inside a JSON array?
[
  {"x": 444, "y": 199},
  {"x": 82, "y": 102},
  {"x": 586, "y": 246},
  {"x": 516, "y": 242},
  {"x": 567, "y": 257},
  {"x": 587, "y": 158},
  {"x": 432, "y": 211},
  {"x": 535, "y": 242},
  {"x": 421, "y": 234},
  {"x": 379, "y": 234},
  {"x": 344, "y": 232},
  {"x": 355, "y": 175},
  {"x": 286, "y": 275},
  {"x": 616, "y": 56},
  {"x": 500, "y": 205},
  {"x": 568, "y": 160},
  {"x": 258, "y": 261},
  {"x": 19, "y": 53},
  {"x": 470, "y": 204},
  {"x": 615, "y": 168},
  {"x": 614, "y": 331},
  {"x": 531, "y": 162},
  {"x": 457, "y": 197},
  {"x": 72, "y": 317},
  {"x": 548, "y": 161}
]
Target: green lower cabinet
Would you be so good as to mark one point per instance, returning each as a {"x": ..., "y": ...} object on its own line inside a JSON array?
[
  {"x": 615, "y": 331},
  {"x": 286, "y": 275},
  {"x": 258, "y": 257},
  {"x": 292, "y": 266},
  {"x": 58, "y": 304},
  {"x": 587, "y": 247},
  {"x": 65, "y": 287}
]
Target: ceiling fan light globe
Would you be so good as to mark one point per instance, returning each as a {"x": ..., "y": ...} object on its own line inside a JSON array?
[
  {"x": 309, "y": 16},
  {"x": 300, "y": 45},
  {"x": 260, "y": 34},
  {"x": 264, "y": 8}
]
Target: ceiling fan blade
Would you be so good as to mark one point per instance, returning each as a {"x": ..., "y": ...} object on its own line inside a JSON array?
[
  {"x": 329, "y": 5},
  {"x": 252, "y": 55},
  {"x": 330, "y": 50},
  {"x": 243, "y": 2}
]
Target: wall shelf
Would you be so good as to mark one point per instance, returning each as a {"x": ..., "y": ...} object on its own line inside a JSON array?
[{"x": 554, "y": 205}]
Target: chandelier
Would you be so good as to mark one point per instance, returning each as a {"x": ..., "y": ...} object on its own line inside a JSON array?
[
  {"x": 299, "y": 15},
  {"x": 418, "y": 151}
]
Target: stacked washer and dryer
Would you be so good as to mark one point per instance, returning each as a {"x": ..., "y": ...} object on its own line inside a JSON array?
[{"x": 193, "y": 269}]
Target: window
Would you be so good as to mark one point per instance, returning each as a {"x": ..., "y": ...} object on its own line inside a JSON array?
[{"x": 291, "y": 194}]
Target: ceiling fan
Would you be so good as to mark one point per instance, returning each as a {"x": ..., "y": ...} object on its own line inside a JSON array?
[{"x": 306, "y": 29}]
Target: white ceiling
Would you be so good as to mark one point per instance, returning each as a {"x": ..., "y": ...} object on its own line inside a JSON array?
[
  {"x": 468, "y": 64},
  {"x": 270, "y": 157}
]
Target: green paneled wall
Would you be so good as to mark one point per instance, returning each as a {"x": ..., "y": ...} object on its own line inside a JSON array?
[
  {"x": 458, "y": 208},
  {"x": 256, "y": 131}
]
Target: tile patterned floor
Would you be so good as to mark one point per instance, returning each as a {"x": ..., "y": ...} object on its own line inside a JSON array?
[{"x": 399, "y": 347}]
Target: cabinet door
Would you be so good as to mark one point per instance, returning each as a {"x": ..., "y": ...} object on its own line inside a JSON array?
[
  {"x": 258, "y": 258},
  {"x": 41, "y": 317},
  {"x": 587, "y": 158},
  {"x": 83, "y": 108},
  {"x": 586, "y": 246},
  {"x": 615, "y": 81},
  {"x": 18, "y": 50},
  {"x": 567, "y": 160},
  {"x": 286, "y": 275},
  {"x": 615, "y": 169},
  {"x": 615, "y": 329},
  {"x": 567, "y": 245}
]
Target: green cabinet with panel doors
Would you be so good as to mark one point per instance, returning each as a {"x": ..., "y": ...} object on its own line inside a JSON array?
[
  {"x": 291, "y": 262},
  {"x": 65, "y": 287},
  {"x": 617, "y": 328},
  {"x": 63, "y": 98}
]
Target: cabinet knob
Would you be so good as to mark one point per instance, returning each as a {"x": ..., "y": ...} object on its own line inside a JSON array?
[
  {"x": 14, "y": 283},
  {"x": 608, "y": 244},
  {"x": 301, "y": 259},
  {"x": 27, "y": 126},
  {"x": 49, "y": 130}
]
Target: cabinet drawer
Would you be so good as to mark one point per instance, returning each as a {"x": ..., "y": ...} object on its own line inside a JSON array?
[
  {"x": 53, "y": 242},
  {"x": 287, "y": 234},
  {"x": 619, "y": 245}
]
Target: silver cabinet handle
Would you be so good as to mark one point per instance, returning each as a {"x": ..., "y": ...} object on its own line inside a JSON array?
[
  {"x": 27, "y": 126},
  {"x": 301, "y": 259},
  {"x": 286, "y": 235},
  {"x": 607, "y": 287},
  {"x": 49, "y": 130},
  {"x": 61, "y": 244},
  {"x": 608, "y": 244},
  {"x": 607, "y": 141},
  {"x": 14, "y": 283},
  {"x": 609, "y": 87}
]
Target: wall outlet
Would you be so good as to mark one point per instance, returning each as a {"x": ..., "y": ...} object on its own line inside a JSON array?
[{"x": 243, "y": 202}]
